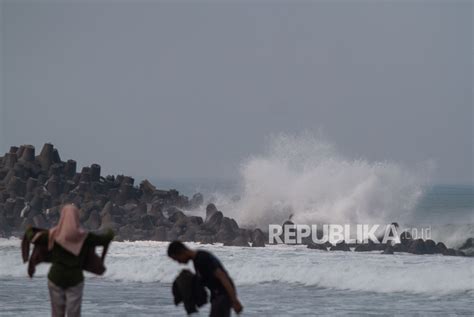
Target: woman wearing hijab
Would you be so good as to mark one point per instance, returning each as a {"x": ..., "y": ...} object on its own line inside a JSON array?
[{"x": 68, "y": 243}]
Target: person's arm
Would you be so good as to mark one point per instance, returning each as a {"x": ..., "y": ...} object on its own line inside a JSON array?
[
  {"x": 100, "y": 239},
  {"x": 224, "y": 279},
  {"x": 41, "y": 236}
]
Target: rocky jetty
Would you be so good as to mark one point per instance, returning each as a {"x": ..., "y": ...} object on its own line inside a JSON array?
[
  {"x": 34, "y": 186},
  {"x": 468, "y": 247},
  {"x": 406, "y": 245}
]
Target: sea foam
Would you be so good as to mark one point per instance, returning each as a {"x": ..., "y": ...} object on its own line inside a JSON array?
[{"x": 146, "y": 261}]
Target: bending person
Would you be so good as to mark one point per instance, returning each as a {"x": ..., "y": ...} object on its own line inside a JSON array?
[{"x": 213, "y": 276}]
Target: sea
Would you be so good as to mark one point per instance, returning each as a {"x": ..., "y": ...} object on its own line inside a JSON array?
[
  {"x": 307, "y": 179},
  {"x": 278, "y": 280}
]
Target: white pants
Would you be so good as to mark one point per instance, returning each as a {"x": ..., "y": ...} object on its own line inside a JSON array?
[{"x": 65, "y": 301}]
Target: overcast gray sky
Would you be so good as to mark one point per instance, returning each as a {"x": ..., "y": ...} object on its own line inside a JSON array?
[{"x": 189, "y": 89}]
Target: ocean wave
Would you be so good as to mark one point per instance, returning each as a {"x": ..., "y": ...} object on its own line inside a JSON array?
[
  {"x": 307, "y": 177},
  {"x": 146, "y": 261}
]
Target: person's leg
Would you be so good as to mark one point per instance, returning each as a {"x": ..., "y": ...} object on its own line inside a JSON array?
[
  {"x": 220, "y": 306},
  {"x": 58, "y": 300},
  {"x": 74, "y": 300}
]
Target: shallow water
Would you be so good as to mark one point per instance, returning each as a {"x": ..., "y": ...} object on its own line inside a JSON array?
[
  {"x": 273, "y": 281},
  {"x": 113, "y": 298}
]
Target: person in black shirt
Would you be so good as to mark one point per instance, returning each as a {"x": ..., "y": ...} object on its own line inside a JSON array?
[{"x": 213, "y": 276}]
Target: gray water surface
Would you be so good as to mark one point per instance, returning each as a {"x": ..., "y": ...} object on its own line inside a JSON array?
[{"x": 25, "y": 297}]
